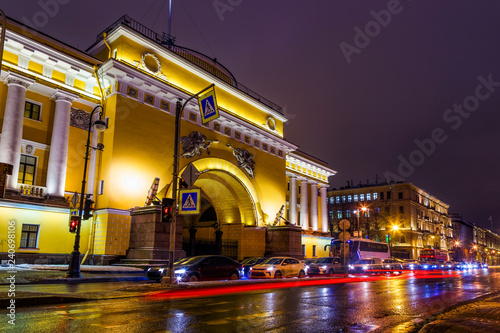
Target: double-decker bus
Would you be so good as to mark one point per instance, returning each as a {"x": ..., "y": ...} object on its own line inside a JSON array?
[
  {"x": 360, "y": 248},
  {"x": 433, "y": 255}
]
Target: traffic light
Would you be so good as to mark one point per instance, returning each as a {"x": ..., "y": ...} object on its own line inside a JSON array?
[
  {"x": 167, "y": 209},
  {"x": 87, "y": 208},
  {"x": 73, "y": 223}
]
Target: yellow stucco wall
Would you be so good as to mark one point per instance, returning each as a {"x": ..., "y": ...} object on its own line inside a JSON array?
[
  {"x": 54, "y": 235},
  {"x": 319, "y": 242}
]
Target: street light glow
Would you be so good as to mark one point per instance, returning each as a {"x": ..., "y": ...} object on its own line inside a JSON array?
[{"x": 395, "y": 227}]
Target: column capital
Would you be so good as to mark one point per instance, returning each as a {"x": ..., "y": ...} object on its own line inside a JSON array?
[
  {"x": 61, "y": 95},
  {"x": 13, "y": 78}
]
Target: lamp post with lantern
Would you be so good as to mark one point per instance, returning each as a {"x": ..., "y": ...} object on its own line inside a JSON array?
[
  {"x": 358, "y": 212},
  {"x": 74, "y": 262}
]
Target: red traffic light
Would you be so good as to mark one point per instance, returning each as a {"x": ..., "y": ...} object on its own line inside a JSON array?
[
  {"x": 167, "y": 209},
  {"x": 73, "y": 223}
]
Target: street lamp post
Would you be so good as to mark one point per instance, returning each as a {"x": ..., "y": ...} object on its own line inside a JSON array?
[
  {"x": 74, "y": 261},
  {"x": 357, "y": 212},
  {"x": 177, "y": 130}
]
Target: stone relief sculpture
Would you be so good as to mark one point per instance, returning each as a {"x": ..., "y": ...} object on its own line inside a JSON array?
[
  {"x": 194, "y": 143},
  {"x": 245, "y": 159}
]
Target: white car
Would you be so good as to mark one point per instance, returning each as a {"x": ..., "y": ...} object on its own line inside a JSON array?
[
  {"x": 278, "y": 267},
  {"x": 367, "y": 265}
]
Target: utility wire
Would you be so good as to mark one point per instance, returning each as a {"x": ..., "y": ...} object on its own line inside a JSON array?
[
  {"x": 151, "y": 7},
  {"x": 199, "y": 31}
]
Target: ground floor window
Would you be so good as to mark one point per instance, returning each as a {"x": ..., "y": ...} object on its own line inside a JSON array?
[
  {"x": 314, "y": 251},
  {"x": 29, "y": 236},
  {"x": 27, "y": 168},
  {"x": 304, "y": 250}
]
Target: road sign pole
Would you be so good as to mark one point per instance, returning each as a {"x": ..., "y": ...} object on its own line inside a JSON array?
[{"x": 177, "y": 130}]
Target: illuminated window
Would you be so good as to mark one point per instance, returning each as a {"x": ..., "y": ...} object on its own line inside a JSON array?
[
  {"x": 338, "y": 199},
  {"x": 331, "y": 200},
  {"x": 339, "y": 214},
  {"x": 27, "y": 168},
  {"x": 32, "y": 110},
  {"x": 29, "y": 236},
  {"x": 349, "y": 198},
  {"x": 343, "y": 198},
  {"x": 361, "y": 197},
  {"x": 375, "y": 196},
  {"x": 355, "y": 198},
  {"x": 348, "y": 213},
  {"x": 368, "y": 196}
]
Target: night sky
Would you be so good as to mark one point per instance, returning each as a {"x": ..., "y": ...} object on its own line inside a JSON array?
[{"x": 406, "y": 89}]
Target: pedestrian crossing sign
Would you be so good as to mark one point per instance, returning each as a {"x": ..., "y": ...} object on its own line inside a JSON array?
[
  {"x": 208, "y": 106},
  {"x": 190, "y": 201}
]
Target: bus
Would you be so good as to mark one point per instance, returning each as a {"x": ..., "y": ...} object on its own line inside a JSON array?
[
  {"x": 360, "y": 248},
  {"x": 433, "y": 255}
]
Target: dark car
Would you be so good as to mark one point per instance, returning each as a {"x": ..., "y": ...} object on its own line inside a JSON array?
[
  {"x": 392, "y": 265},
  {"x": 157, "y": 273},
  {"x": 249, "y": 262},
  {"x": 211, "y": 267}
]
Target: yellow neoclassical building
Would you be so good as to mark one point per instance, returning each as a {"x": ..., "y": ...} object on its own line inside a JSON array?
[{"x": 256, "y": 187}]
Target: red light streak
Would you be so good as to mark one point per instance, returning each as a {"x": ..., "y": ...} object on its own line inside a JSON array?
[{"x": 283, "y": 284}]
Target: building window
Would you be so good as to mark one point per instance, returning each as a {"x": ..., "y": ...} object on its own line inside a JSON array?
[
  {"x": 32, "y": 110},
  {"x": 29, "y": 236},
  {"x": 401, "y": 210},
  {"x": 338, "y": 199},
  {"x": 304, "y": 250},
  {"x": 348, "y": 213},
  {"x": 314, "y": 251},
  {"x": 368, "y": 197},
  {"x": 343, "y": 198},
  {"x": 381, "y": 195},
  {"x": 361, "y": 197},
  {"x": 27, "y": 168},
  {"x": 375, "y": 196},
  {"x": 403, "y": 239},
  {"x": 388, "y": 195},
  {"x": 349, "y": 198},
  {"x": 331, "y": 200},
  {"x": 355, "y": 198},
  {"x": 339, "y": 214},
  {"x": 400, "y": 195},
  {"x": 387, "y": 210},
  {"x": 367, "y": 213}
]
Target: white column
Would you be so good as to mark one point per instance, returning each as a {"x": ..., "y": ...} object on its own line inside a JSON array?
[
  {"x": 314, "y": 206},
  {"x": 324, "y": 209},
  {"x": 58, "y": 158},
  {"x": 12, "y": 128},
  {"x": 292, "y": 199},
  {"x": 304, "y": 205}
]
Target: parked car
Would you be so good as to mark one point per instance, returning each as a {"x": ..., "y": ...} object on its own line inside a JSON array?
[
  {"x": 158, "y": 272},
  {"x": 278, "y": 267},
  {"x": 210, "y": 267},
  {"x": 411, "y": 264},
  {"x": 324, "y": 266},
  {"x": 367, "y": 265},
  {"x": 430, "y": 265},
  {"x": 250, "y": 262},
  {"x": 392, "y": 265},
  {"x": 449, "y": 265}
]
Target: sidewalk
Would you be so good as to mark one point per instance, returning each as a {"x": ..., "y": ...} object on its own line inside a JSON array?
[{"x": 479, "y": 315}]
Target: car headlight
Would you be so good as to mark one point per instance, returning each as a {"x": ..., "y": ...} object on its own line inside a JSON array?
[
  {"x": 161, "y": 270},
  {"x": 351, "y": 267},
  {"x": 426, "y": 266},
  {"x": 180, "y": 271},
  {"x": 387, "y": 266},
  {"x": 323, "y": 267},
  {"x": 270, "y": 268},
  {"x": 449, "y": 265},
  {"x": 365, "y": 267},
  {"x": 250, "y": 268},
  {"x": 412, "y": 266},
  {"x": 307, "y": 267},
  {"x": 149, "y": 269}
]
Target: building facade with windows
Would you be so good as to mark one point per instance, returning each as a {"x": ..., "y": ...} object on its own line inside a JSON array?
[
  {"x": 401, "y": 214},
  {"x": 243, "y": 159}
]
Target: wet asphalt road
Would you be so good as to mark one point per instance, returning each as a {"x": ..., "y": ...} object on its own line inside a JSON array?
[{"x": 389, "y": 304}]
